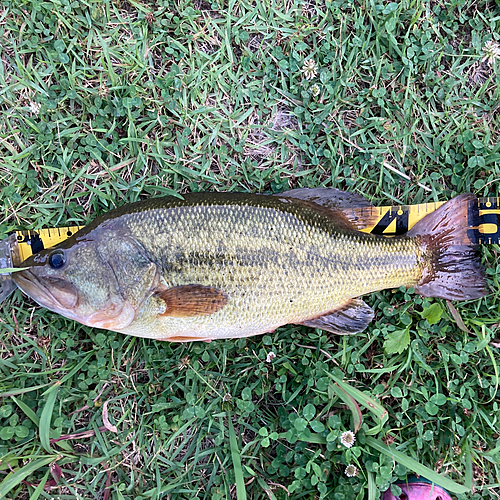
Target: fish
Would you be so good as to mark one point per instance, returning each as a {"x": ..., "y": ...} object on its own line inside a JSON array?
[{"x": 229, "y": 265}]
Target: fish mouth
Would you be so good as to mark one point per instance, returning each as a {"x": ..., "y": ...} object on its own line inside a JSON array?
[
  {"x": 34, "y": 287},
  {"x": 64, "y": 300}
]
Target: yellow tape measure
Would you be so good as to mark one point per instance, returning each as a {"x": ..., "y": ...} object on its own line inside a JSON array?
[
  {"x": 33, "y": 241},
  {"x": 387, "y": 221}
]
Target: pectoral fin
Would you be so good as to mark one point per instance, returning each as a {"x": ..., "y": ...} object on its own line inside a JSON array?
[
  {"x": 352, "y": 317},
  {"x": 191, "y": 300}
]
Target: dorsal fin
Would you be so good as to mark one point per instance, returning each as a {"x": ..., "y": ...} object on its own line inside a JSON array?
[
  {"x": 340, "y": 203},
  {"x": 191, "y": 300},
  {"x": 328, "y": 197}
]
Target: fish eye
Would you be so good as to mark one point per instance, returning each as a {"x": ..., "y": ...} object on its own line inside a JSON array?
[{"x": 57, "y": 259}]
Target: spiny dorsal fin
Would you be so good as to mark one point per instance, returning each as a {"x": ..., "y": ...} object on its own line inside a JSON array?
[
  {"x": 339, "y": 203},
  {"x": 191, "y": 300},
  {"x": 353, "y": 317}
]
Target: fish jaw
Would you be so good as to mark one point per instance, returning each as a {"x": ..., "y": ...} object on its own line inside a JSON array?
[
  {"x": 29, "y": 283},
  {"x": 112, "y": 317}
]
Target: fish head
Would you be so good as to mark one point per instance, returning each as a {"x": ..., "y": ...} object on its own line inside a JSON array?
[{"x": 77, "y": 281}]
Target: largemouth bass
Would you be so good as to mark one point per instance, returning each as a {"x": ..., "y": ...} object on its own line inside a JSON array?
[{"x": 216, "y": 266}]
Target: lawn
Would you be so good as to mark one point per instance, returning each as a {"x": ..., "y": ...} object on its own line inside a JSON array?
[{"x": 107, "y": 102}]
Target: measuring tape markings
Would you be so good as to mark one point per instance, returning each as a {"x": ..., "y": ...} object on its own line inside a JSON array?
[
  {"x": 489, "y": 210},
  {"x": 390, "y": 220},
  {"x": 483, "y": 219},
  {"x": 34, "y": 241}
]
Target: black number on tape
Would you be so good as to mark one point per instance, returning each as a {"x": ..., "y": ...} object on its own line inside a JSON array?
[
  {"x": 475, "y": 220},
  {"x": 33, "y": 239},
  {"x": 399, "y": 214}
]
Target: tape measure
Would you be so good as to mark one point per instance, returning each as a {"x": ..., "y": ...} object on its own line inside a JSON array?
[
  {"x": 34, "y": 241},
  {"x": 387, "y": 221}
]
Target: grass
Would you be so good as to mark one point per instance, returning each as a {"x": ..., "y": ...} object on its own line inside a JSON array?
[{"x": 104, "y": 103}]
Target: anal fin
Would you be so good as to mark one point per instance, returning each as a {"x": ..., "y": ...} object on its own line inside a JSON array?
[
  {"x": 353, "y": 317},
  {"x": 191, "y": 300}
]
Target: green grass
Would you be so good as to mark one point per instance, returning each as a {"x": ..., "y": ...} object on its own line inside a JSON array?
[{"x": 107, "y": 102}]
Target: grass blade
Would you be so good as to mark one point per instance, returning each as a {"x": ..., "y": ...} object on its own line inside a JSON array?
[
  {"x": 456, "y": 316},
  {"x": 416, "y": 467},
  {"x": 372, "y": 488},
  {"x": 15, "y": 392},
  {"x": 266, "y": 488},
  {"x": 363, "y": 399},
  {"x": 493, "y": 362},
  {"x": 238, "y": 471},
  {"x": 27, "y": 411},
  {"x": 469, "y": 476},
  {"x": 39, "y": 488},
  {"x": 351, "y": 404},
  {"x": 76, "y": 368},
  {"x": 13, "y": 479},
  {"x": 46, "y": 417}
]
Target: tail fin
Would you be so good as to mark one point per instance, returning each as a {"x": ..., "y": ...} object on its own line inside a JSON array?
[{"x": 453, "y": 270}]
